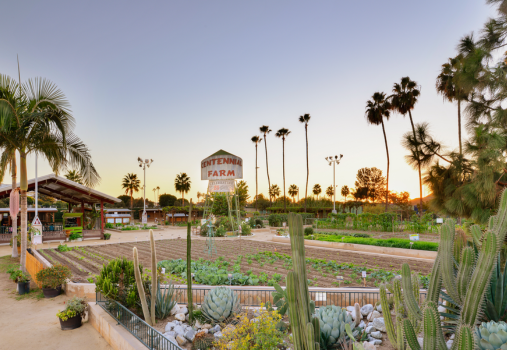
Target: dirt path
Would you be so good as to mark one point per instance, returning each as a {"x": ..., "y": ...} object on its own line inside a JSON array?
[{"x": 30, "y": 323}]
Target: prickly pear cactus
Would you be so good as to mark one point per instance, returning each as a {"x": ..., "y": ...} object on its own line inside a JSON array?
[
  {"x": 332, "y": 321},
  {"x": 220, "y": 304},
  {"x": 492, "y": 335}
]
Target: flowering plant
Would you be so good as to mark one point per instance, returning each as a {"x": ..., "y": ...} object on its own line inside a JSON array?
[{"x": 52, "y": 277}]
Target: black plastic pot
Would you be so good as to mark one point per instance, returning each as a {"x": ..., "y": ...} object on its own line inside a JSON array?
[
  {"x": 52, "y": 292},
  {"x": 71, "y": 323},
  {"x": 23, "y": 287}
]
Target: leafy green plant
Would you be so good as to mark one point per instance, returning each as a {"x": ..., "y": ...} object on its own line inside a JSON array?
[
  {"x": 63, "y": 248},
  {"x": 116, "y": 281},
  {"x": 74, "y": 307},
  {"x": 17, "y": 275},
  {"x": 75, "y": 235},
  {"x": 308, "y": 231},
  {"x": 280, "y": 299},
  {"x": 53, "y": 277}
]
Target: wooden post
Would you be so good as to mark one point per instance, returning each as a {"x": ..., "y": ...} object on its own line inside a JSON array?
[{"x": 102, "y": 219}]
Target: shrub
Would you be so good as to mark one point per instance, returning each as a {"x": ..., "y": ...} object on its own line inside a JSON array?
[
  {"x": 53, "y": 277},
  {"x": 64, "y": 248},
  {"x": 17, "y": 275},
  {"x": 259, "y": 223},
  {"x": 109, "y": 225},
  {"x": 107, "y": 235},
  {"x": 361, "y": 235},
  {"x": 308, "y": 231},
  {"x": 246, "y": 230},
  {"x": 276, "y": 220},
  {"x": 116, "y": 281},
  {"x": 75, "y": 235},
  {"x": 391, "y": 242}
]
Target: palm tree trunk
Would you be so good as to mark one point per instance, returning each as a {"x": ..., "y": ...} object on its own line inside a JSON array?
[
  {"x": 256, "y": 181},
  {"x": 418, "y": 165},
  {"x": 284, "y": 197},
  {"x": 387, "y": 152},
  {"x": 307, "y": 165},
  {"x": 459, "y": 127},
  {"x": 15, "y": 220},
  {"x": 23, "y": 189},
  {"x": 182, "y": 199},
  {"x": 267, "y": 169},
  {"x": 131, "y": 200}
]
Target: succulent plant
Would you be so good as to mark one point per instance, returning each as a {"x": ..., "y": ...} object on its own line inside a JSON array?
[
  {"x": 220, "y": 304},
  {"x": 203, "y": 341},
  {"x": 332, "y": 321},
  {"x": 492, "y": 335}
]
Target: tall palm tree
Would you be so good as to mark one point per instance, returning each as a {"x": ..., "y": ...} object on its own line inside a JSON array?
[
  {"x": 330, "y": 192},
  {"x": 182, "y": 184},
  {"x": 155, "y": 196},
  {"x": 345, "y": 192},
  {"x": 35, "y": 117},
  {"x": 266, "y": 130},
  {"x": 274, "y": 191},
  {"x": 256, "y": 140},
  {"x": 75, "y": 176},
  {"x": 448, "y": 87},
  {"x": 293, "y": 191},
  {"x": 376, "y": 110},
  {"x": 403, "y": 100},
  {"x": 317, "y": 190},
  {"x": 283, "y": 133},
  {"x": 131, "y": 184},
  {"x": 305, "y": 119}
]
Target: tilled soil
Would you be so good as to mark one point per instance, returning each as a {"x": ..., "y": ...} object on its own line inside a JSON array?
[{"x": 87, "y": 261}]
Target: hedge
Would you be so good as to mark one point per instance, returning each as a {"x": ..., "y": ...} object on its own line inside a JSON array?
[
  {"x": 391, "y": 242},
  {"x": 276, "y": 220}
]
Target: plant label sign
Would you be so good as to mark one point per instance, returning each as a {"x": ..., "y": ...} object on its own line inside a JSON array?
[
  {"x": 440, "y": 220},
  {"x": 414, "y": 237},
  {"x": 364, "y": 274},
  {"x": 163, "y": 270},
  {"x": 339, "y": 278},
  {"x": 284, "y": 224},
  {"x": 221, "y": 186},
  {"x": 144, "y": 218}
]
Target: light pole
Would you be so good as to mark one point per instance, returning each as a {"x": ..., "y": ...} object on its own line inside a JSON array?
[
  {"x": 143, "y": 164},
  {"x": 334, "y": 161}
]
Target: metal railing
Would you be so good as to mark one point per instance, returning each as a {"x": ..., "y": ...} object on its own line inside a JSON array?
[
  {"x": 52, "y": 227},
  {"x": 143, "y": 332}
]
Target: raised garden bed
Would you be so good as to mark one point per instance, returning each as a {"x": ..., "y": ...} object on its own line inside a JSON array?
[{"x": 390, "y": 242}]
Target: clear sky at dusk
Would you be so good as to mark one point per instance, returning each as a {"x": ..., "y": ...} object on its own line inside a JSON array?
[{"x": 176, "y": 81}]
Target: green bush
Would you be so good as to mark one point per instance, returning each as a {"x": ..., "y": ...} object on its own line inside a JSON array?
[
  {"x": 246, "y": 230},
  {"x": 391, "y": 242},
  {"x": 276, "y": 220},
  {"x": 308, "y": 231},
  {"x": 109, "y": 225}
]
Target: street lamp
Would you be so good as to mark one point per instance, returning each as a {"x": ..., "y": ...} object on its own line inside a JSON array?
[
  {"x": 334, "y": 161},
  {"x": 143, "y": 164}
]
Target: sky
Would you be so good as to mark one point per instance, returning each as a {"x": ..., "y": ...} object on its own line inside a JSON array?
[{"x": 175, "y": 81}]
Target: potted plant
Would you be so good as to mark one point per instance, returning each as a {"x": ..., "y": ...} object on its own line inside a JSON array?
[
  {"x": 72, "y": 316},
  {"x": 52, "y": 279},
  {"x": 76, "y": 236},
  {"x": 21, "y": 278},
  {"x": 107, "y": 236}
]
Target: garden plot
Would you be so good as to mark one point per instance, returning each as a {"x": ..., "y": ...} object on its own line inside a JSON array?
[
  {"x": 266, "y": 262},
  {"x": 425, "y": 237}
]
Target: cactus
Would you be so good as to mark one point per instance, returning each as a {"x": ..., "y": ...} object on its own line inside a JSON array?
[
  {"x": 140, "y": 289},
  {"x": 357, "y": 309},
  {"x": 203, "y": 341},
  {"x": 154, "y": 272},
  {"x": 303, "y": 324},
  {"x": 496, "y": 297},
  {"x": 190, "y": 301},
  {"x": 220, "y": 304},
  {"x": 394, "y": 332},
  {"x": 332, "y": 321},
  {"x": 492, "y": 335},
  {"x": 357, "y": 345}
]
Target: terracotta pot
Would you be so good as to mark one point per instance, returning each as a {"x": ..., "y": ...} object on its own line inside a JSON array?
[
  {"x": 52, "y": 292},
  {"x": 71, "y": 323}
]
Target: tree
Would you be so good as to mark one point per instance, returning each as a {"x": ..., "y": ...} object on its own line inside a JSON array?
[
  {"x": 261, "y": 202},
  {"x": 403, "y": 100},
  {"x": 266, "y": 130},
  {"x": 274, "y": 191},
  {"x": 345, "y": 192},
  {"x": 182, "y": 184},
  {"x": 370, "y": 184},
  {"x": 317, "y": 190},
  {"x": 35, "y": 118},
  {"x": 131, "y": 184},
  {"x": 125, "y": 200},
  {"x": 376, "y": 110},
  {"x": 283, "y": 133},
  {"x": 330, "y": 192},
  {"x": 167, "y": 200},
  {"x": 75, "y": 176},
  {"x": 293, "y": 191},
  {"x": 242, "y": 193},
  {"x": 305, "y": 119},
  {"x": 256, "y": 140}
]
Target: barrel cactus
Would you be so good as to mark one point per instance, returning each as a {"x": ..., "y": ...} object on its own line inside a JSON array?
[
  {"x": 332, "y": 321},
  {"x": 492, "y": 335},
  {"x": 220, "y": 304}
]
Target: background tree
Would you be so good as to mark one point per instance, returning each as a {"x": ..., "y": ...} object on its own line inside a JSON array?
[
  {"x": 261, "y": 202},
  {"x": 167, "y": 200},
  {"x": 293, "y": 191},
  {"x": 283, "y": 133},
  {"x": 75, "y": 176},
  {"x": 125, "y": 200},
  {"x": 131, "y": 184},
  {"x": 182, "y": 184},
  {"x": 266, "y": 130},
  {"x": 256, "y": 140},
  {"x": 370, "y": 184},
  {"x": 403, "y": 100},
  {"x": 330, "y": 192},
  {"x": 376, "y": 110},
  {"x": 242, "y": 192},
  {"x": 317, "y": 190},
  {"x": 345, "y": 192},
  {"x": 305, "y": 119},
  {"x": 274, "y": 191}
]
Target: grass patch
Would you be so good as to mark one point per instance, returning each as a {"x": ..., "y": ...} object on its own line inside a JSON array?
[
  {"x": 7, "y": 262},
  {"x": 391, "y": 242},
  {"x": 35, "y": 294}
]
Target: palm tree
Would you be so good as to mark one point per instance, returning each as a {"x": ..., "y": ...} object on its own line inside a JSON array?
[
  {"x": 131, "y": 184},
  {"x": 283, "y": 133},
  {"x": 75, "y": 176},
  {"x": 376, "y": 109},
  {"x": 182, "y": 184},
  {"x": 403, "y": 101},
  {"x": 35, "y": 117},
  {"x": 266, "y": 130},
  {"x": 345, "y": 192},
  {"x": 293, "y": 191},
  {"x": 154, "y": 196},
  {"x": 305, "y": 119},
  {"x": 256, "y": 140},
  {"x": 330, "y": 192},
  {"x": 274, "y": 191},
  {"x": 446, "y": 86},
  {"x": 317, "y": 190}
]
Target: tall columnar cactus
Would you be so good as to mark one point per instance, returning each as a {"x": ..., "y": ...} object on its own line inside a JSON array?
[
  {"x": 394, "y": 332},
  {"x": 189, "y": 266},
  {"x": 467, "y": 286},
  {"x": 305, "y": 327},
  {"x": 154, "y": 274},
  {"x": 140, "y": 289}
]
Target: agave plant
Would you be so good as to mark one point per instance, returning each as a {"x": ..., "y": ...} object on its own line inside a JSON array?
[
  {"x": 220, "y": 304},
  {"x": 164, "y": 301},
  {"x": 492, "y": 335},
  {"x": 332, "y": 321}
]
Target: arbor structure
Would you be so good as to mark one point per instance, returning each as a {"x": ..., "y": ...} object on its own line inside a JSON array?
[
  {"x": 376, "y": 110},
  {"x": 182, "y": 184},
  {"x": 131, "y": 184},
  {"x": 305, "y": 119},
  {"x": 266, "y": 130},
  {"x": 283, "y": 133},
  {"x": 256, "y": 140}
]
